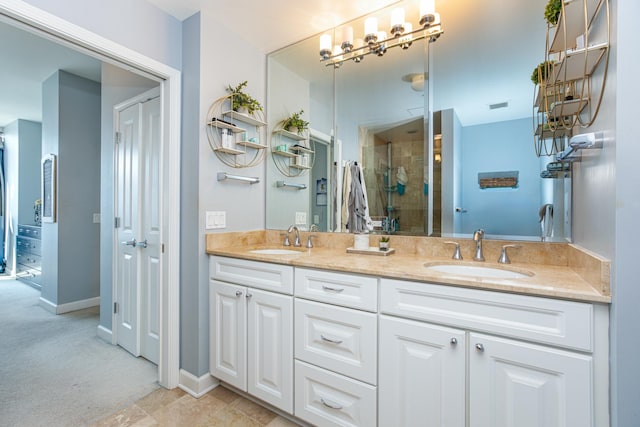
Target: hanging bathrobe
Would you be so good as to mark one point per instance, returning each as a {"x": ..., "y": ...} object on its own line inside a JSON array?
[{"x": 358, "y": 218}]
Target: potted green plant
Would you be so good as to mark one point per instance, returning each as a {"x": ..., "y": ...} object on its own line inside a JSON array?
[
  {"x": 552, "y": 11},
  {"x": 384, "y": 243},
  {"x": 295, "y": 124},
  {"x": 241, "y": 101},
  {"x": 541, "y": 72}
]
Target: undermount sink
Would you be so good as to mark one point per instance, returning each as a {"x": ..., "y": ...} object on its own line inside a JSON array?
[
  {"x": 479, "y": 271},
  {"x": 275, "y": 251}
]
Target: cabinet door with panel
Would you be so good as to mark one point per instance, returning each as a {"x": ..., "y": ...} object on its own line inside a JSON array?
[
  {"x": 251, "y": 346},
  {"x": 228, "y": 340},
  {"x": 270, "y": 347},
  {"x": 422, "y": 374},
  {"x": 518, "y": 384}
]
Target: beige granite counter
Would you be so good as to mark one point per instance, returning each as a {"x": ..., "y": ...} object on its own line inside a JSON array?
[{"x": 559, "y": 270}]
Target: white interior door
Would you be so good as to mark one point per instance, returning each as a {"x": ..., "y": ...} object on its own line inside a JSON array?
[
  {"x": 149, "y": 262},
  {"x": 126, "y": 208},
  {"x": 137, "y": 206}
]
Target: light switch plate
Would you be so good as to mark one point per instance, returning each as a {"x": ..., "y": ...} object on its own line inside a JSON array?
[
  {"x": 215, "y": 219},
  {"x": 301, "y": 218}
]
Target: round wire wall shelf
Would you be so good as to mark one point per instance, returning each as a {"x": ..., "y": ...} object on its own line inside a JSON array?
[
  {"x": 569, "y": 96},
  {"x": 293, "y": 154},
  {"x": 237, "y": 139}
]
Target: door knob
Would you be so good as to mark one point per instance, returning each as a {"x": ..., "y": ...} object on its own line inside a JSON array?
[
  {"x": 130, "y": 243},
  {"x": 142, "y": 244}
]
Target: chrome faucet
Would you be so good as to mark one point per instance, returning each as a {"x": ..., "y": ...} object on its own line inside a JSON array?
[
  {"x": 478, "y": 235},
  {"x": 296, "y": 242}
]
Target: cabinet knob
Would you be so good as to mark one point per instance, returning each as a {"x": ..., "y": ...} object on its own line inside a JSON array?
[
  {"x": 454, "y": 341},
  {"x": 238, "y": 293},
  {"x": 480, "y": 347},
  {"x": 249, "y": 295}
]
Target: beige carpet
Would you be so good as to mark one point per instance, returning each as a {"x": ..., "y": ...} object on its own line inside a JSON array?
[{"x": 55, "y": 371}]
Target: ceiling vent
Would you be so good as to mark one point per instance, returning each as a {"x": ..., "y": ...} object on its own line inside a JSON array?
[{"x": 498, "y": 105}]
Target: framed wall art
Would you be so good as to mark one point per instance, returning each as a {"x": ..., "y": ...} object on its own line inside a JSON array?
[{"x": 49, "y": 188}]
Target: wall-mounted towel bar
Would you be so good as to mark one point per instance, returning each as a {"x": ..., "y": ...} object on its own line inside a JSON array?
[
  {"x": 251, "y": 180},
  {"x": 288, "y": 184}
]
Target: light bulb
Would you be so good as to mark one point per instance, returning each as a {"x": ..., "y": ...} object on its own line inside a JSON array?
[
  {"x": 325, "y": 46},
  {"x": 371, "y": 30},
  {"x": 347, "y": 39},
  {"x": 397, "y": 21},
  {"x": 357, "y": 46},
  {"x": 427, "y": 12},
  {"x": 405, "y": 40}
]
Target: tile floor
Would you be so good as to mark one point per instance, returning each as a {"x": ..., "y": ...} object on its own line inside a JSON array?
[{"x": 219, "y": 407}]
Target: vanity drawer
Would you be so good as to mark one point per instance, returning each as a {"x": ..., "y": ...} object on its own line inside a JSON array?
[
  {"x": 324, "y": 398},
  {"x": 28, "y": 260},
  {"x": 261, "y": 275},
  {"x": 336, "y": 338},
  {"x": 561, "y": 323},
  {"x": 348, "y": 290},
  {"x": 28, "y": 245},
  {"x": 32, "y": 231}
]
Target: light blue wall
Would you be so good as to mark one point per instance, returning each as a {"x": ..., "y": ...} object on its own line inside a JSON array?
[
  {"x": 71, "y": 245},
  {"x": 189, "y": 206},
  {"x": 494, "y": 147},
  {"x": 136, "y": 24}
]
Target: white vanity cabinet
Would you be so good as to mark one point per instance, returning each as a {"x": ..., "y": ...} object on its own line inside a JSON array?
[
  {"x": 512, "y": 360},
  {"x": 336, "y": 348},
  {"x": 251, "y": 336}
]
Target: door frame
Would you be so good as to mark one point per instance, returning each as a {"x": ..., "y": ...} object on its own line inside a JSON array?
[{"x": 53, "y": 28}]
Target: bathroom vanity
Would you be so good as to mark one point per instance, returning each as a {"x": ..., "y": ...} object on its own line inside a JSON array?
[{"x": 352, "y": 340}]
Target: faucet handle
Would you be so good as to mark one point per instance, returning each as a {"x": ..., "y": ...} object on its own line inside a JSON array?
[
  {"x": 286, "y": 239},
  {"x": 456, "y": 251},
  {"x": 309, "y": 243},
  {"x": 504, "y": 258}
]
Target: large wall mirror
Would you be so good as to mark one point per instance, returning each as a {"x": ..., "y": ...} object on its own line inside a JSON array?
[{"x": 430, "y": 126}]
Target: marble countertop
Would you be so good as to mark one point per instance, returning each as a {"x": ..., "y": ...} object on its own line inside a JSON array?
[{"x": 554, "y": 281}]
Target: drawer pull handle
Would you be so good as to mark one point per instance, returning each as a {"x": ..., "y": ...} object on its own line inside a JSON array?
[
  {"x": 330, "y": 340},
  {"x": 330, "y": 404},
  {"x": 329, "y": 288}
]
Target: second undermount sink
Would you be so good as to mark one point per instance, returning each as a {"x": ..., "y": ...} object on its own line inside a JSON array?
[
  {"x": 275, "y": 251},
  {"x": 479, "y": 271}
]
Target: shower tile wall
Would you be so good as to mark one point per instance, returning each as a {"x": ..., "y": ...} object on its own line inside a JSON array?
[{"x": 408, "y": 153}]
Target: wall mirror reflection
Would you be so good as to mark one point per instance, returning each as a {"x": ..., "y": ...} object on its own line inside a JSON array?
[{"x": 436, "y": 128}]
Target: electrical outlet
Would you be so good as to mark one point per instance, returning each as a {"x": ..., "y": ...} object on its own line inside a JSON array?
[
  {"x": 316, "y": 219},
  {"x": 301, "y": 218},
  {"x": 96, "y": 218},
  {"x": 215, "y": 219}
]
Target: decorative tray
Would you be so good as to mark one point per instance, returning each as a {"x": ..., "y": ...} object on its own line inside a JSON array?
[{"x": 373, "y": 250}]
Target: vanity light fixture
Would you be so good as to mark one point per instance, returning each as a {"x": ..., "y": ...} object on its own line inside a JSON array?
[{"x": 401, "y": 33}]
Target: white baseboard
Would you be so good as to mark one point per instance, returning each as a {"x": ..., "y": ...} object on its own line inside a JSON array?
[
  {"x": 105, "y": 334},
  {"x": 197, "y": 387},
  {"x": 70, "y": 306}
]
